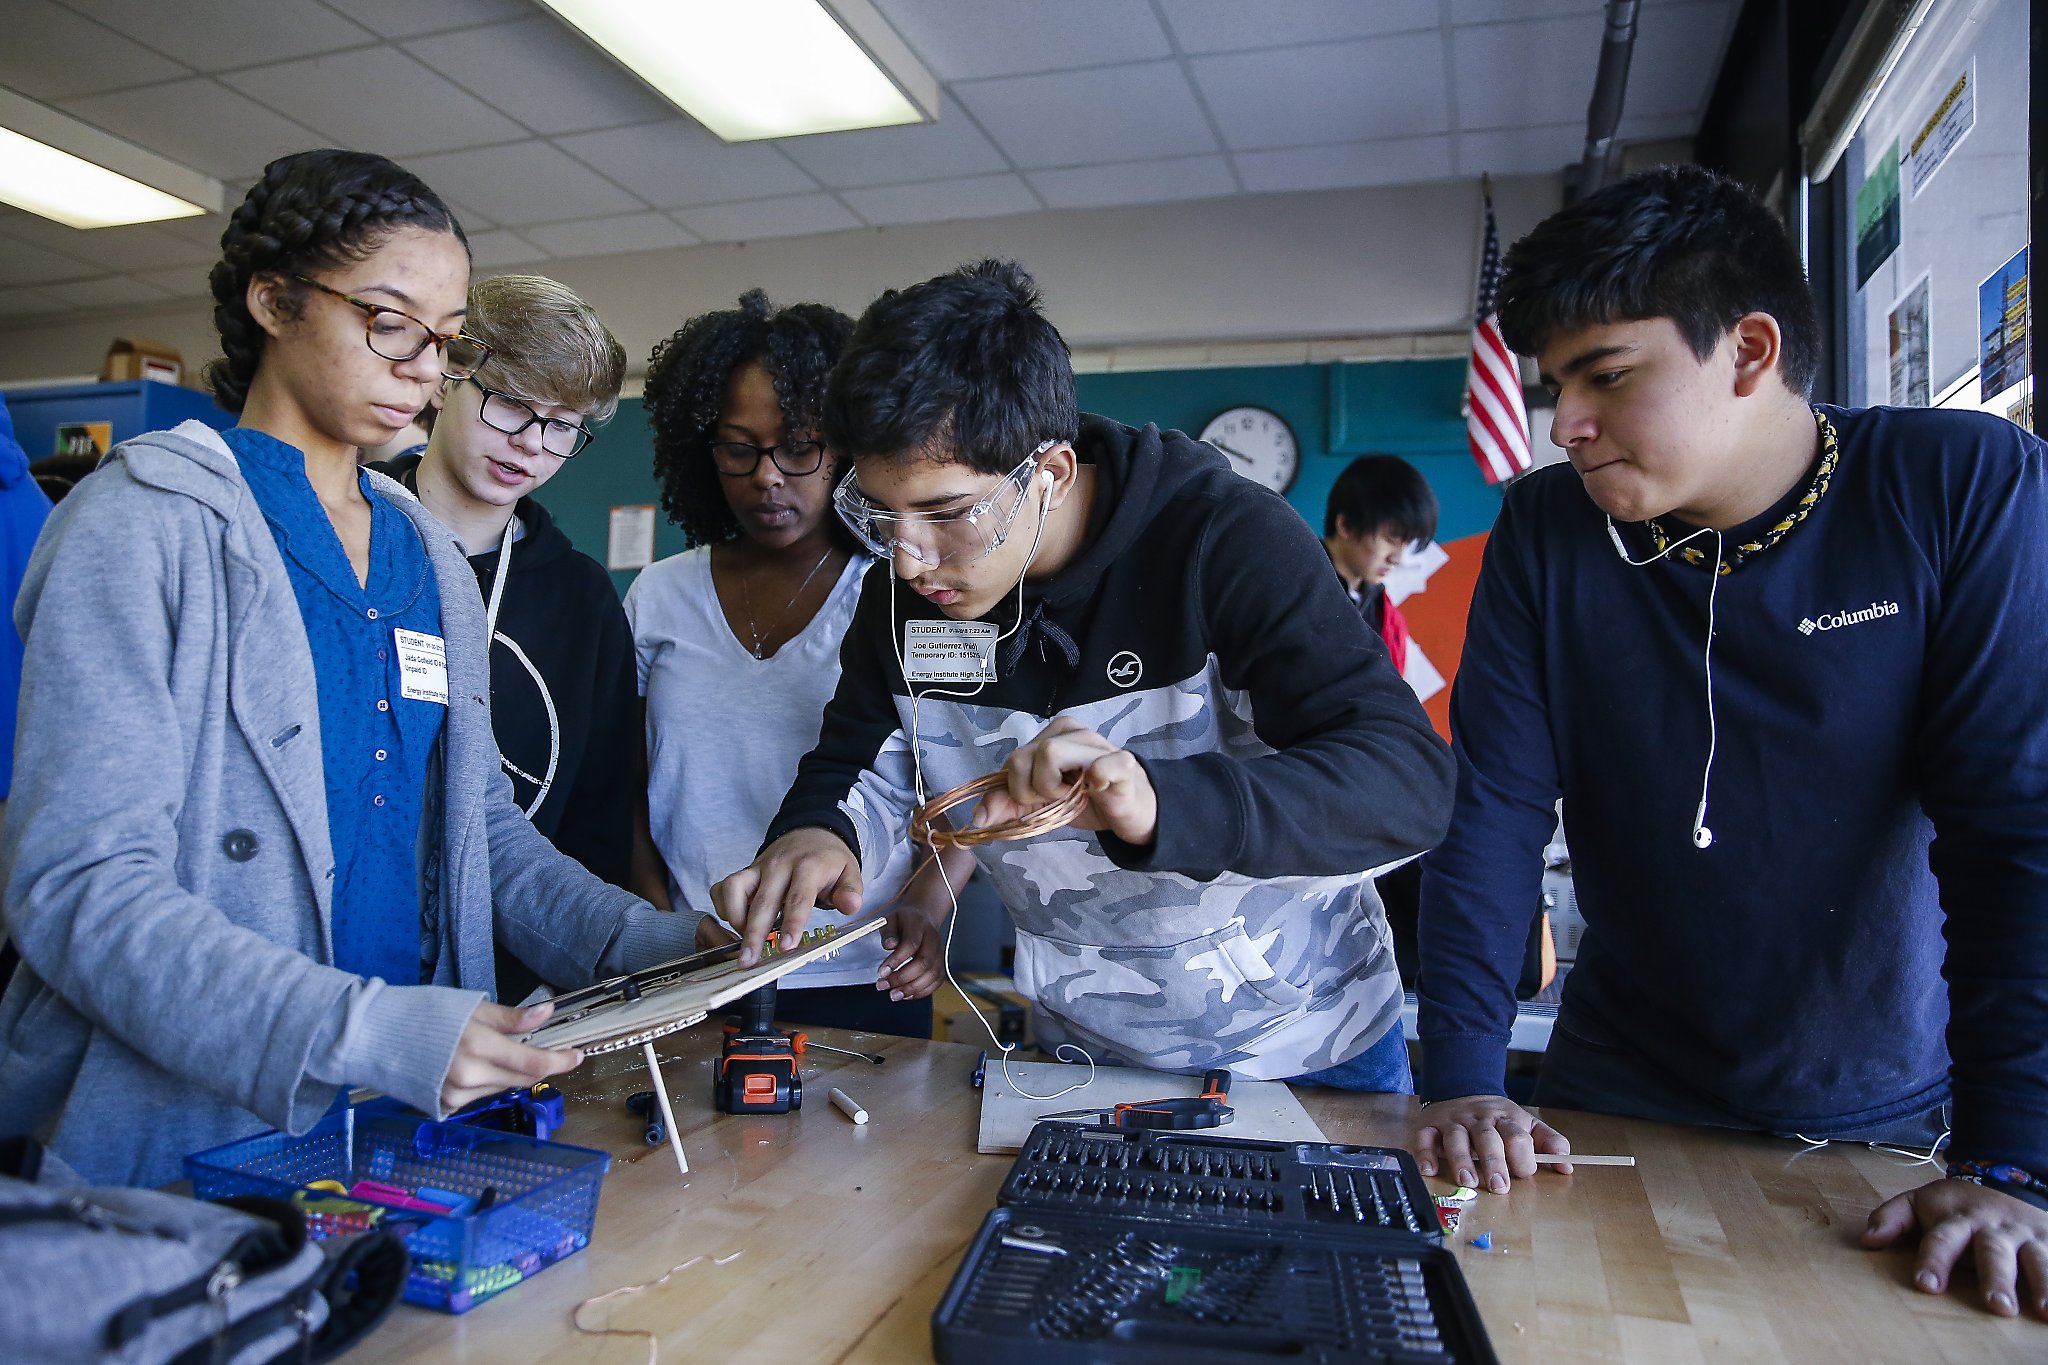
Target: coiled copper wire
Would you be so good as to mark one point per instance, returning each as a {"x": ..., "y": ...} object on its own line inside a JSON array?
[{"x": 1044, "y": 820}]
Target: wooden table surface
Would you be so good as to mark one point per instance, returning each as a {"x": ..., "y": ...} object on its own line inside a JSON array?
[{"x": 1715, "y": 1247}]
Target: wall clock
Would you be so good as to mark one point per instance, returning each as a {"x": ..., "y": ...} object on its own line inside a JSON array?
[{"x": 1258, "y": 443}]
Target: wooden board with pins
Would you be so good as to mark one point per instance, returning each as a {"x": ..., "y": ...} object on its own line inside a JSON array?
[{"x": 628, "y": 1011}]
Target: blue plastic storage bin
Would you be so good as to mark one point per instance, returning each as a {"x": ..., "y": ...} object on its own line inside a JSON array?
[{"x": 543, "y": 1209}]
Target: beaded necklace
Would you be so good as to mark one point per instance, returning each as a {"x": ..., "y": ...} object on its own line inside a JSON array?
[{"x": 1733, "y": 555}]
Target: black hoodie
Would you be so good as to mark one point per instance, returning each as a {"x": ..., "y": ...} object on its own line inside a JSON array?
[
  {"x": 560, "y": 618},
  {"x": 1201, "y": 629}
]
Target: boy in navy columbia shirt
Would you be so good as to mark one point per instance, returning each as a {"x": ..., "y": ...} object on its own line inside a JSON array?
[{"x": 1781, "y": 663}]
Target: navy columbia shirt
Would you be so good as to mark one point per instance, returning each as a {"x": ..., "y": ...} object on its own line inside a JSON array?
[
  {"x": 1869, "y": 927},
  {"x": 374, "y": 740}
]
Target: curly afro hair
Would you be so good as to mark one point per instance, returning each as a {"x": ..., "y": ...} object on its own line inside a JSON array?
[
  {"x": 687, "y": 378},
  {"x": 310, "y": 211}
]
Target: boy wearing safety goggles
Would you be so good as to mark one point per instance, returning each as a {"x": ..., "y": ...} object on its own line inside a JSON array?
[{"x": 1076, "y": 601}]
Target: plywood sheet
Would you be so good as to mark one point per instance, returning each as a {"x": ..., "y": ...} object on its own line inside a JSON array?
[
  {"x": 1264, "y": 1109},
  {"x": 692, "y": 997}
]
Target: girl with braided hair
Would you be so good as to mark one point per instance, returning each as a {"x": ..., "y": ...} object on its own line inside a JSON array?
[
  {"x": 258, "y": 861},
  {"x": 737, "y": 641}
]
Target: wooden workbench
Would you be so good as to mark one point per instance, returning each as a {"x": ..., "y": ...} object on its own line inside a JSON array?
[{"x": 1716, "y": 1247}]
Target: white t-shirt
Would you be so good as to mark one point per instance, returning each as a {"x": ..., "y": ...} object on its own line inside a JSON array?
[{"x": 725, "y": 732}]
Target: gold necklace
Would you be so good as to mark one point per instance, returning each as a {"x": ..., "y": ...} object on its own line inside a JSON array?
[{"x": 759, "y": 648}]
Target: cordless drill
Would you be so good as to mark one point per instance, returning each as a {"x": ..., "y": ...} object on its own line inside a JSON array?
[{"x": 757, "y": 1069}]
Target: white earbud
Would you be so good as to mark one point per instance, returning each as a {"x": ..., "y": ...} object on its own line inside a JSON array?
[{"x": 1047, "y": 475}]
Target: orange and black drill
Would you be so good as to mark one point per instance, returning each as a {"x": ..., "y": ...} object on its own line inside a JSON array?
[{"x": 757, "y": 1070}]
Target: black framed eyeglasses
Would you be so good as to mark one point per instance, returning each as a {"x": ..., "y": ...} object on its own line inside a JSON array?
[
  {"x": 737, "y": 459},
  {"x": 503, "y": 412},
  {"x": 393, "y": 335}
]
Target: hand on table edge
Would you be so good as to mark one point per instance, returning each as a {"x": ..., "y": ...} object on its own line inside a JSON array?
[{"x": 2008, "y": 1235}]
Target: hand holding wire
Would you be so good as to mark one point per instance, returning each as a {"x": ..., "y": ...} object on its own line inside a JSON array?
[{"x": 1067, "y": 756}]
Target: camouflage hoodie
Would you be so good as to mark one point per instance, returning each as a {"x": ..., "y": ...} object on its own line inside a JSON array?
[{"x": 1202, "y": 629}]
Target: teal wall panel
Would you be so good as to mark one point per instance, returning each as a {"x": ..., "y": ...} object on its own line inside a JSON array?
[
  {"x": 1409, "y": 408},
  {"x": 1338, "y": 411}
]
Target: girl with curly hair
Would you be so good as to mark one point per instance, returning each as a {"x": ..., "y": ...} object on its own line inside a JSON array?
[
  {"x": 259, "y": 827},
  {"x": 738, "y": 640}
]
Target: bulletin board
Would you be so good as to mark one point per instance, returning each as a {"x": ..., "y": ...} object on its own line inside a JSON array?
[{"x": 1937, "y": 230}]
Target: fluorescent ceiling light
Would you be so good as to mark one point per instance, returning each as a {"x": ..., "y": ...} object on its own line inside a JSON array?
[
  {"x": 752, "y": 69},
  {"x": 55, "y": 166}
]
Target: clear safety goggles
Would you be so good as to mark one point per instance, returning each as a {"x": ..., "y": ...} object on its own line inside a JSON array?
[{"x": 954, "y": 536}]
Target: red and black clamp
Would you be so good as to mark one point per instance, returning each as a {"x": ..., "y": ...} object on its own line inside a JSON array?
[{"x": 1210, "y": 1109}]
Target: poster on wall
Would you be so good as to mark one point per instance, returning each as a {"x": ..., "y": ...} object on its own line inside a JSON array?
[
  {"x": 629, "y": 538},
  {"x": 1941, "y": 131},
  {"x": 1877, "y": 215},
  {"x": 84, "y": 438},
  {"x": 1911, "y": 386},
  {"x": 2002, "y": 328}
]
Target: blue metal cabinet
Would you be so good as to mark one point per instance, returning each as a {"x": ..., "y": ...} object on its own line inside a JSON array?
[{"x": 130, "y": 407}]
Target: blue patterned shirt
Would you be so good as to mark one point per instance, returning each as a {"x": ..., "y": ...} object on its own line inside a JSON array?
[{"x": 374, "y": 740}]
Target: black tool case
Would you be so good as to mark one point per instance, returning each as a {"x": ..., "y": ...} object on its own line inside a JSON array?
[{"x": 1223, "y": 1250}]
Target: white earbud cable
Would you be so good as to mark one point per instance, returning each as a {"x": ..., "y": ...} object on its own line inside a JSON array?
[
  {"x": 917, "y": 770},
  {"x": 1702, "y": 836}
]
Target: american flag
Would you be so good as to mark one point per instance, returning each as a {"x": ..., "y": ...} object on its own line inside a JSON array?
[{"x": 1496, "y": 423}]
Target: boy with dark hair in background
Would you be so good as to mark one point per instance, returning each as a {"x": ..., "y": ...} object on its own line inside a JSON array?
[
  {"x": 1780, "y": 660},
  {"x": 1379, "y": 507},
  {"x": 1205, "y": 682}
]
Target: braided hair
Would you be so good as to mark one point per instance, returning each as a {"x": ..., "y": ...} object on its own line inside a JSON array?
[
  {"x": 310, "y": 211},
  {"x": 687, "y": 378}
]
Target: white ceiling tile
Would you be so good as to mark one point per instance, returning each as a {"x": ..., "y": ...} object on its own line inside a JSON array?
[
  {"x": 793, "y": 216},
  {"x": 1394, "y": 161},
  {"x": 966, "y": 39},
  {"x": 646, "y": 231},
  {"x": 951, "y": 146},
  {"x": 221, "y": 34},
  {"x": 24, "y": 302},
  {"x": 543, "y": 75},
  {"x": 1230, "y": 25},
  {"x": 205, "y": 229},
  {"x": 1677, "y": 55},
  {"x": 141, "y": 246},
  {"x": 100, "y": 59},
  {"x": 1521, "y": 151},
  {"x": 1501, "y": 11},
  {"x": 981, "y": 196},
  {"x": 522, "y": 183},
  {"x": 1522, "y": 74},
  {"x": 1337, "y": 92},
  {"x": 109, "y": 292},
  {"x": 379, "y": 99},
  {"x": 502, "y": 246},
  {"x": 1125, "y": 113},
  {"x": 1134, "y": 182},
  {"x": 676, "y": 164},
  {"x": 183, "y": 283},
  {"x": 21, "y": 263},
  {"x": 409, "y": 18},
  {"x": 1657, "y": 127},
  {"x": 201, "y": 123}
]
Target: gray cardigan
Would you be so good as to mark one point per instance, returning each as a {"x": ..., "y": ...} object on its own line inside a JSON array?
[{"x": 167, "y": 863}]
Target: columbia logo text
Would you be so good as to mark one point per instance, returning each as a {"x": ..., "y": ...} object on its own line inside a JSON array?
[{"x": 1837, "y": 620}]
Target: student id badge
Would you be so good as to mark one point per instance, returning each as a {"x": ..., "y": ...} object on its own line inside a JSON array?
[
  {"x": 949, "y": 651},
  {"x": 422, "y": 666}
]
